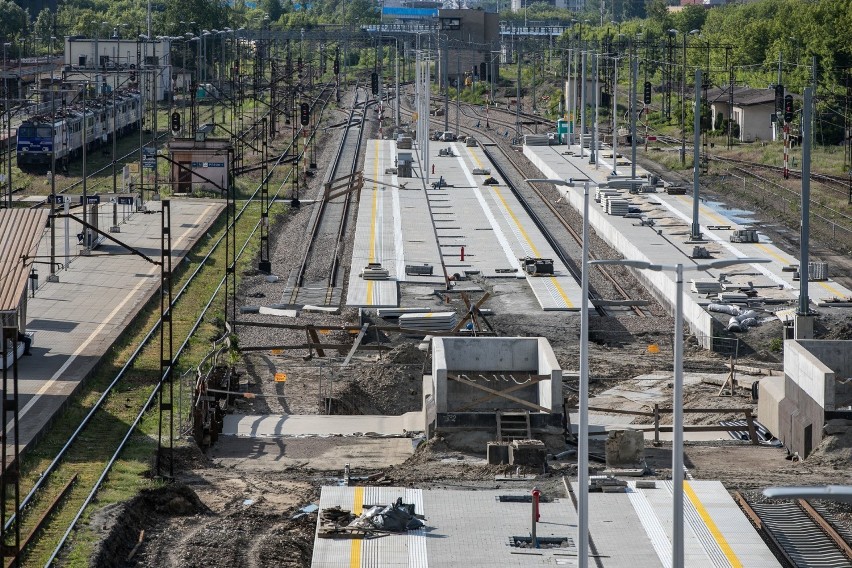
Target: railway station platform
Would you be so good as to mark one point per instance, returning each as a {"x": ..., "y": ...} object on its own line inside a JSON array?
[
  {"x": 658, "y": 231},
  {"x": 482, "y": 526},
  {"x": 77, "y": 319},
  {"x": 457, "y": 225}
]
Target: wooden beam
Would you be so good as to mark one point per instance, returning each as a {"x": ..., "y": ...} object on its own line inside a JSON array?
[
  {"x": 357, "y": 342},
  {"x": 513, "y": 388},
  {"x": 520, "y": 401}
]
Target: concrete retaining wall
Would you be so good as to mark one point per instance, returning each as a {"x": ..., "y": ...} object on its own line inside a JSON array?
[{"x": 487, "y": 355}]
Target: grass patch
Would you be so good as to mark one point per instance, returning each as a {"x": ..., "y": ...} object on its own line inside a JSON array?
[{"x": 88, "y": 456}]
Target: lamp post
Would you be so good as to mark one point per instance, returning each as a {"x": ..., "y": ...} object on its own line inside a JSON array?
[
  {"x": 8, "y": 112},
  {"x": 677, "y": 395},
  {"x": 683, "y": 100},
  {"x": 583, "y": 426}
]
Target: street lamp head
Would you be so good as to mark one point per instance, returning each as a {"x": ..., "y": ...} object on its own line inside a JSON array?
[
  {"x": 694, "y": 32},
  {"x": 672, "y": 32},
  {"x": 832, "y": 492},
  {"x": 731, "y": 262}
]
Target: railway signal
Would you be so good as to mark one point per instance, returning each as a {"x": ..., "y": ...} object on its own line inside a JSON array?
[
  {"x": 305, "y": 114},
  {"x": 337, "y": 66},
  {"x": 779, "y": 97},
  {"x": 788, "y": 108},
  {"x": 374, "y": 83},
  {"x": 647, "y": 93},
  {"x": 175, "y": 122}
]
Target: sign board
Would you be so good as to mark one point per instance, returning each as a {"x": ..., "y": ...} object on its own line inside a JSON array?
[
  {"x": 208, "y": 164},
  {"x": 149, "y": 163},
  {"x": 59, "y": 199},
  {"x": 133, "y": 168},
  {"x": 125, "y": 200},
  {"x": 652, "y": 138},
  {"x": 91, "y": 199},
  {"x": 280, "y": 377}
]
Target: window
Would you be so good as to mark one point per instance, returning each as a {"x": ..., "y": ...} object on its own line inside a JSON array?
[
  {"x": 45, "y": 132},
  {"x": 450, "y": 23}
]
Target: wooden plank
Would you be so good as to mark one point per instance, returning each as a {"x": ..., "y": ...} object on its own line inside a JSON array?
[
  {"x": 520, "y": 401},
  {"x": 312, "y": 332},
  {"x": 357, "y": 342},
  {"x": 513, "y": 388}
]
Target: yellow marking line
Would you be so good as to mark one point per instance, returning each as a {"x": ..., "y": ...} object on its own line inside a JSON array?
[
  {"x": 355, "y": 547},
  {"x": 711, "y": 526},
  {"x": 831, "y": 289},
  {"x": 373, "y": 220},
  {"x": 496, "y": 190},
  {"x": 769, "y": 252},
  {"x": 706, "y": 211}
]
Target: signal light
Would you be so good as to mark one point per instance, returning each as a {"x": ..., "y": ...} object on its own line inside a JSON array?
[
  {"x": 175, "y": 121},
  {"x": 374, "y": 83},
  {"x": 305, "y": 114},
  {"x": 779, "y": 97},
  {"x": 337, "y": 67},
  {"x": 788, "y": 108},
  {"x": 647, "y": 93}
]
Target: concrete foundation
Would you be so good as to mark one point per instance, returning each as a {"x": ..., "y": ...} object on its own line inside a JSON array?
[
  {"x": 803, "y": 327},
  {"x": 474, "y": 380}
]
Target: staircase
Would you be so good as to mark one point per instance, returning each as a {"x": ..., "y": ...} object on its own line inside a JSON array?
[{"x": 513, "y": 426}]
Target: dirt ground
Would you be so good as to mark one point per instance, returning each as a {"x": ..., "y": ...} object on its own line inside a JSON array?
[{"x": 239, "y": 504}]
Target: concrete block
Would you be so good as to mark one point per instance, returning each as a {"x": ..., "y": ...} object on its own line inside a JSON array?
[
  {"x": 646, "y": 484},
  {"x": 625, "y": 449},
  {"x": 527, "y": 452},
  {"x": 498, "y": 453}
]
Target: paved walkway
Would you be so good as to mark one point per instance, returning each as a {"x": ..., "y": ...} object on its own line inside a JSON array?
[
  {"x": 273, "y": 425},
  {"x": 77, "y": 319}
]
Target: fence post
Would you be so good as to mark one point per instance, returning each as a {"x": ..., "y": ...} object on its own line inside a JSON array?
[
  {"x": 656, "y": 424},
  {"x": 752, "y": 432}
]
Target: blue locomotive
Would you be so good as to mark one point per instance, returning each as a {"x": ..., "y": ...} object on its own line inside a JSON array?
[{"x": 62, "y": 132}]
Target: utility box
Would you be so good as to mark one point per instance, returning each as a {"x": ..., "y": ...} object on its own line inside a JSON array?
[
  {"x": 404, "y": 161},
  {"x": 527, "y": 452}
]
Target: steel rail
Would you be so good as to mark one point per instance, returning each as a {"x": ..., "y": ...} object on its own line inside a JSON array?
[{"x": 51, "y": 468}]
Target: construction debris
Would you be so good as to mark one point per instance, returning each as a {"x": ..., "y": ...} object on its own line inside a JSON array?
[{"x": 398, "y": 517}]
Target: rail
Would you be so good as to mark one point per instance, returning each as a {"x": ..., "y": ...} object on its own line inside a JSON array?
[{"x": 46, "y": 475}]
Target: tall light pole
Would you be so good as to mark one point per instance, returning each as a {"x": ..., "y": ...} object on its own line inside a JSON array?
[
  {"x": 8, "y": 112},
  {"x": 677, "y": 395},
  {"x": 583, "y": 426}
]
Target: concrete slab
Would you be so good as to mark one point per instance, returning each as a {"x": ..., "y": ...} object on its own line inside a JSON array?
[
  {"x": 319, "y": 453},
  {"x": 77, "y": 319},
  {"x": 275, "y": 425},
  {"x": 461, "y": 227}
]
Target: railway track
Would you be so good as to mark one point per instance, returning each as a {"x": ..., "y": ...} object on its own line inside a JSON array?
[
  {"x": 576, "y": 252},
  {"x": 838, "y": 185},
  {"x": 317, "y": 279},
  {"x": 532, "y": 199},
  {"x": 42, "y": 500},
  {"x": 799, "y": 534}
]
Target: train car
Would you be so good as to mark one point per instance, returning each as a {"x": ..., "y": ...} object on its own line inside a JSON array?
[{"x": 40, "y": 136}]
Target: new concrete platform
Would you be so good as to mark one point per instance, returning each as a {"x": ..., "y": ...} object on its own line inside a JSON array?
[
  {"x": 475, "y": 528},
  {"x": 77, "y": 319},
  {"x": 667, "y": 239},
  {"x": 275, "y": 425},
  {"x": 460, "y": 226}
]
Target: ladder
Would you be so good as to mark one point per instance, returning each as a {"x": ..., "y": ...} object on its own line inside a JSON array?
[{"x": 513, "y": 426}]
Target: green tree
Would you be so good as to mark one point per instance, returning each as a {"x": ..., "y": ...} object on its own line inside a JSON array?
[
  {"x": 44, "y": 25},
  {"x": 13, "y": 20}
]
